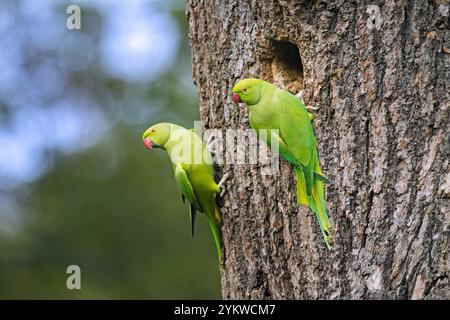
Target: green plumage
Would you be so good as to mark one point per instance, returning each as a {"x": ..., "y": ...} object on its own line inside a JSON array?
[
  {"x": 288, "y": 121},
  {"x": 193, "y": 168}
]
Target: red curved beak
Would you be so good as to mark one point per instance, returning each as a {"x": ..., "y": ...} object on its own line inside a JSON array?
[
  {"x": 148, "y": 143},
  {"x": 236, "y": 98}
]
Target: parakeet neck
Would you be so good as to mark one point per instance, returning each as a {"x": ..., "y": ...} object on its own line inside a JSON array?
[
  {"x": 266, "y": 93},
  {"x": 168, "y": 144},
  {"x": 253, "y": 102}
]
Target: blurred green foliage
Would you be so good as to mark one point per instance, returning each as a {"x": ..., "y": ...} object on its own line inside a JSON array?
[{"x": 113, "y": 209}]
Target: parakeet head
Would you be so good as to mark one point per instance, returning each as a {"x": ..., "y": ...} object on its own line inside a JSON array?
[
  {"x": 247, "y": 91},
  {"x": 156, "y": 136}
]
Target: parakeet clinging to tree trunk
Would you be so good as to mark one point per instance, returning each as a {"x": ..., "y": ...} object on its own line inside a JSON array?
[
  {"x": 194, "y": 173},
  {"x": 286, "y": 119}
]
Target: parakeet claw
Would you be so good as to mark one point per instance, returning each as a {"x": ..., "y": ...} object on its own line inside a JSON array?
[
  {"x": 300, "y": 94},
  {"x": 220, "y": 184}
]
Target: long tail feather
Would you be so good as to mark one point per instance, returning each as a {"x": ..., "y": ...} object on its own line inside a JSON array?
[
  {"x": 316, "y": 201},
  {"x": 302, "y": 195},
  {"x": 319, "y": 206},
  {"x": 215, "y": 230}
]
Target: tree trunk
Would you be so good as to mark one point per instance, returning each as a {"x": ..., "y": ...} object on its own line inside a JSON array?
[{"x": 381, "y": 82}]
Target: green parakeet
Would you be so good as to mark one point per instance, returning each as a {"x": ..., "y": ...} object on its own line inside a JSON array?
[
  {"x": 286, "y": 119},
  {"x": 193, "y": 168}
]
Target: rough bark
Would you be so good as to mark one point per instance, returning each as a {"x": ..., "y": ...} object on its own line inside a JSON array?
[{"x": 383, "y": 133}]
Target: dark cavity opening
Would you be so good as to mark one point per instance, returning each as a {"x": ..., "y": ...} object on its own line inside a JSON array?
[{"x": 287, "y": 65}]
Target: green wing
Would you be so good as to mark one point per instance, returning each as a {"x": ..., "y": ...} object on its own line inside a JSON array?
[
  {"x": 297, "y": 132},
  {"x": 296, "y": 128},
  {"x": 187, "y": 192}
]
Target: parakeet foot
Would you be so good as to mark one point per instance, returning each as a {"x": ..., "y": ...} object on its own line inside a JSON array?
[
  {"x": 300, "y": 95},
  {"x": 309, "y": 108},
  {"x": 221, "y": 182}
]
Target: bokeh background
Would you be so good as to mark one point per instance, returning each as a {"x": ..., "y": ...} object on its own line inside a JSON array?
[{"x": 76, "y": 184}]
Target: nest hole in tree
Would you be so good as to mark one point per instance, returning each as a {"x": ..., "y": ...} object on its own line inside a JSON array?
[{"x": 287, "y": 67}]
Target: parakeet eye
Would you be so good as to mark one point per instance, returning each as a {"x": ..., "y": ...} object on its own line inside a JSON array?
[
  {"x": 245, "y": 89},
  {"x": 153, "y": 130}
]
